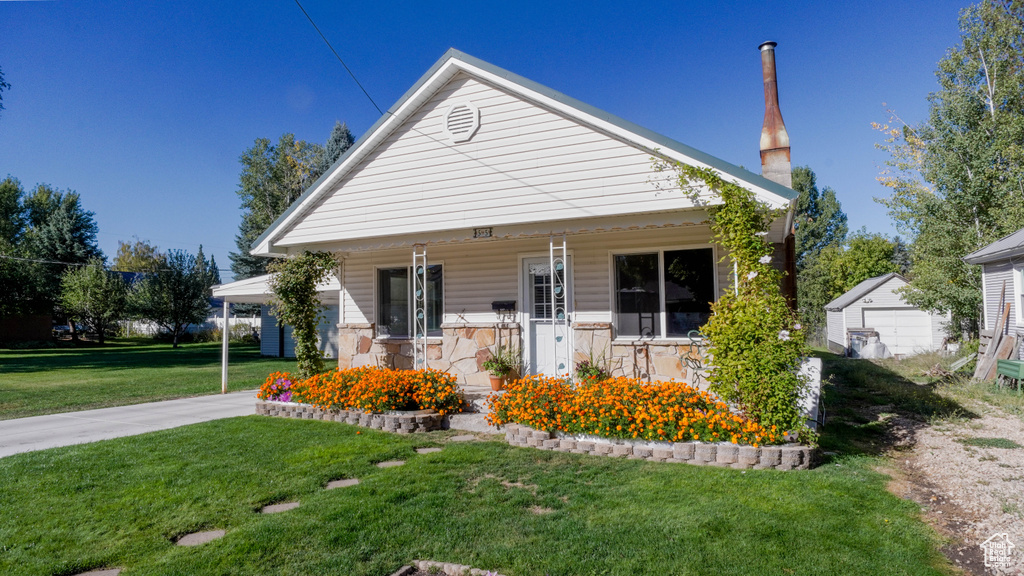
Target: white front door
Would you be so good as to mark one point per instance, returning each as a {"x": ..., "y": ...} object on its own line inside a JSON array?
[{"x": 545, "y": 336}]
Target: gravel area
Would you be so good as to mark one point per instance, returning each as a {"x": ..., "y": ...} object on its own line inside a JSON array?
[{"x": 968, "y": 492}]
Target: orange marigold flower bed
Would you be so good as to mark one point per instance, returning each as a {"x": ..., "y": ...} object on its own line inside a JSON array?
[
  {"x": 369, "y": 389},
  {"x": 625, "y": 408}
]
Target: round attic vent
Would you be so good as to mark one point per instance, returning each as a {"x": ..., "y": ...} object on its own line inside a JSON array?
[{"x": 461, "y": 121}]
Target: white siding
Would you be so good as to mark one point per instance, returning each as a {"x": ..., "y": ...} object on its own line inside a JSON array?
[
  {"x": 996, "y": 274},
  {"x": 836, "y": 330},
  {"x": 525, "y": 164},
  {"x": 476, "y": 274},
  {"x": 270, "y": 334}
]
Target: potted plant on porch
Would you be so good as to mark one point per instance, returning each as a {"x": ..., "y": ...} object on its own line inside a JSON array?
[{"x": 505, "y": 360}]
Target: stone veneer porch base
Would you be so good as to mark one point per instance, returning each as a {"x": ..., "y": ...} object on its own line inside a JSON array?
[
  {"x": 398, "y": 422},
  {"x": 725, "y": 455}
]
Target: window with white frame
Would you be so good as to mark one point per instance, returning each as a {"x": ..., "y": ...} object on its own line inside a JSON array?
[
  {"x": 395, "y": 302},
  {"x": 663, "y": 294}
]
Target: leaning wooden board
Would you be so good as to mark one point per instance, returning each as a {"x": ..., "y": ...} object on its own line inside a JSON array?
[
  {"x": 1006, "y": 347},
  {"x": 987, "y": 363}
]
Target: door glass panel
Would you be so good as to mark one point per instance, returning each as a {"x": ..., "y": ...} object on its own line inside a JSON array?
[{"x": 541, "y": 297}]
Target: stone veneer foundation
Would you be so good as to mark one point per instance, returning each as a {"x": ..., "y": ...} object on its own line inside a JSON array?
[
  {"x": 462, "y": 349},
  {"x": 398, "y": 422},
  {"x": 644, "y": 359},
  {"x": 725, "y": 455}
]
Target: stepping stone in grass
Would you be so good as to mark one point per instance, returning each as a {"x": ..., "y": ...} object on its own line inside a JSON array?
[
  {"x": 103, "y": 572},
  {"x": 463, "y": 438},
  {"x": 427, "y": 450},
  {"x": 197, "y": 538},
  {"x": 343, "y": 483},
  {"x": 390, "y": 463},
  {"x": 283, "y": 507}
]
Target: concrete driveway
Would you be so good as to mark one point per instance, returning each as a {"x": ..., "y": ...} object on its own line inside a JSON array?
[{"x": 53, "y": 430}]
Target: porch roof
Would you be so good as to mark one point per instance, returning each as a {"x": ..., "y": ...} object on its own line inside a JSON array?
[{"x": 256, "y": 290}]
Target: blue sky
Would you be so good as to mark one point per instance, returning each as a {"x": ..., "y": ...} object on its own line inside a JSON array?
[{"x": 144, "y": 107}]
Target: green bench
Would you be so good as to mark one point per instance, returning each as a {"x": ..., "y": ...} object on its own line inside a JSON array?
[{"x": 1011, "y": 369}]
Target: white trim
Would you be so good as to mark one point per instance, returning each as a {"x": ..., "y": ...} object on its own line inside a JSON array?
[
  {"x": 984, "y": 298},
  {"x": 1018, "y": 294},
  {"x": 663, "y": 318}
]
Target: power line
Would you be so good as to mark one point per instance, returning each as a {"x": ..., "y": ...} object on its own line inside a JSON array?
[
  {"x": 336, "y": 55},
  {"x": 41, "y": 261}
]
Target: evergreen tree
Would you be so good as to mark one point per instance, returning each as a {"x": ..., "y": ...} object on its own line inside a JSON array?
[
  {"x": 60, "y": 234},
  {"x": 273, "y": 176},
  {"x": 820, "y": 233},
  {"x": 819, "y": 221},
  {"x": 338, "y": 143},
  {"x": 15, "y": 282}
]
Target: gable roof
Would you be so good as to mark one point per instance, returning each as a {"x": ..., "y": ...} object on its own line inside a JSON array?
[
  {"x": 1002, "y": 249},
  {"x": 861, "y": 290},
  {"x": 454, "y": 62}
]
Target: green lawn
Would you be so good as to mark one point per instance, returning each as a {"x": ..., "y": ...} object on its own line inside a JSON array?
[
  {"x": 45, "y": 381},
  {"x": 122, "y": 503}
]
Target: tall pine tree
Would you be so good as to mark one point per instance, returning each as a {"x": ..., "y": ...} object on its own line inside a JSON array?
[
  {"x": 273, "y": 176},
  {"x": 820, "y": 233}
]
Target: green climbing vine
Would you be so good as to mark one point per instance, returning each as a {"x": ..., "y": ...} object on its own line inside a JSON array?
[
  {"x": 295, "y": 302},
  {"x": 755, "y": 342}
]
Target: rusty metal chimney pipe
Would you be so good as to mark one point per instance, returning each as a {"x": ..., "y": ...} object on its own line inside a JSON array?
[{"x": 775, "y": 159}]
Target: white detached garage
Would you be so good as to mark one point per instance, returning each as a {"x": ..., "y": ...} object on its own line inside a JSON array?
[{"x": 875, "y": 307}]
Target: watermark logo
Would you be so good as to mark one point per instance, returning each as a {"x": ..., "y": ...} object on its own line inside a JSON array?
[{"x": 998, "y": 550}]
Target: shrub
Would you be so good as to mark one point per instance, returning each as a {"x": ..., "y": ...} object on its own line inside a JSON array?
[
  {"x": 625, "y": 408},
  {"x": 755, "y": 343},
  {"x": 369, "y": 389}
]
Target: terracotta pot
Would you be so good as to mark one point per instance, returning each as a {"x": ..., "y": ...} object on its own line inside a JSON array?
[{"x": 497, "y": 383}]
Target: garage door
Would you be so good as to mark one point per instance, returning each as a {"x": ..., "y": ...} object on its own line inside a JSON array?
[{"x": 905, "y": 331}]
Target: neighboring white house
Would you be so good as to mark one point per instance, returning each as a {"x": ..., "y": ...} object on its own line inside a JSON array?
[
  {"x": 875, "y": 305},
  {"x": 485, "y": 209},
  {"x": 1002, "y": 280}
]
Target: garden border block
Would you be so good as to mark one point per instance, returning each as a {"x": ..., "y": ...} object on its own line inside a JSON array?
[
  {"x": 722, "y": 454},
  {"x": 398, "y": 422}
]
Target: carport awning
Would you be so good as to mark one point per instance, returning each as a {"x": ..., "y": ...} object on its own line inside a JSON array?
[{"x": 256, "y": 290}]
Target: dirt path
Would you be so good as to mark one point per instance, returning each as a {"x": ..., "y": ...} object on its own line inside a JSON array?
[{"x": 968, "y": 478}]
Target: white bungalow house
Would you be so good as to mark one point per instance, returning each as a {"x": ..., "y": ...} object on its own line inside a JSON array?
[
  {"x": 486, "y": 209},
  {"x": 876, "y": 307},
  {"x": 1002, "y": 281}
]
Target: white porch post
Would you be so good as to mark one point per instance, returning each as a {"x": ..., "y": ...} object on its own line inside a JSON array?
[{"x": 224, "y": 350}]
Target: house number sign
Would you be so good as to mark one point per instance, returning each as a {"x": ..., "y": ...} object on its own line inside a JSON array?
[{"x": 482, "y": 232}]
